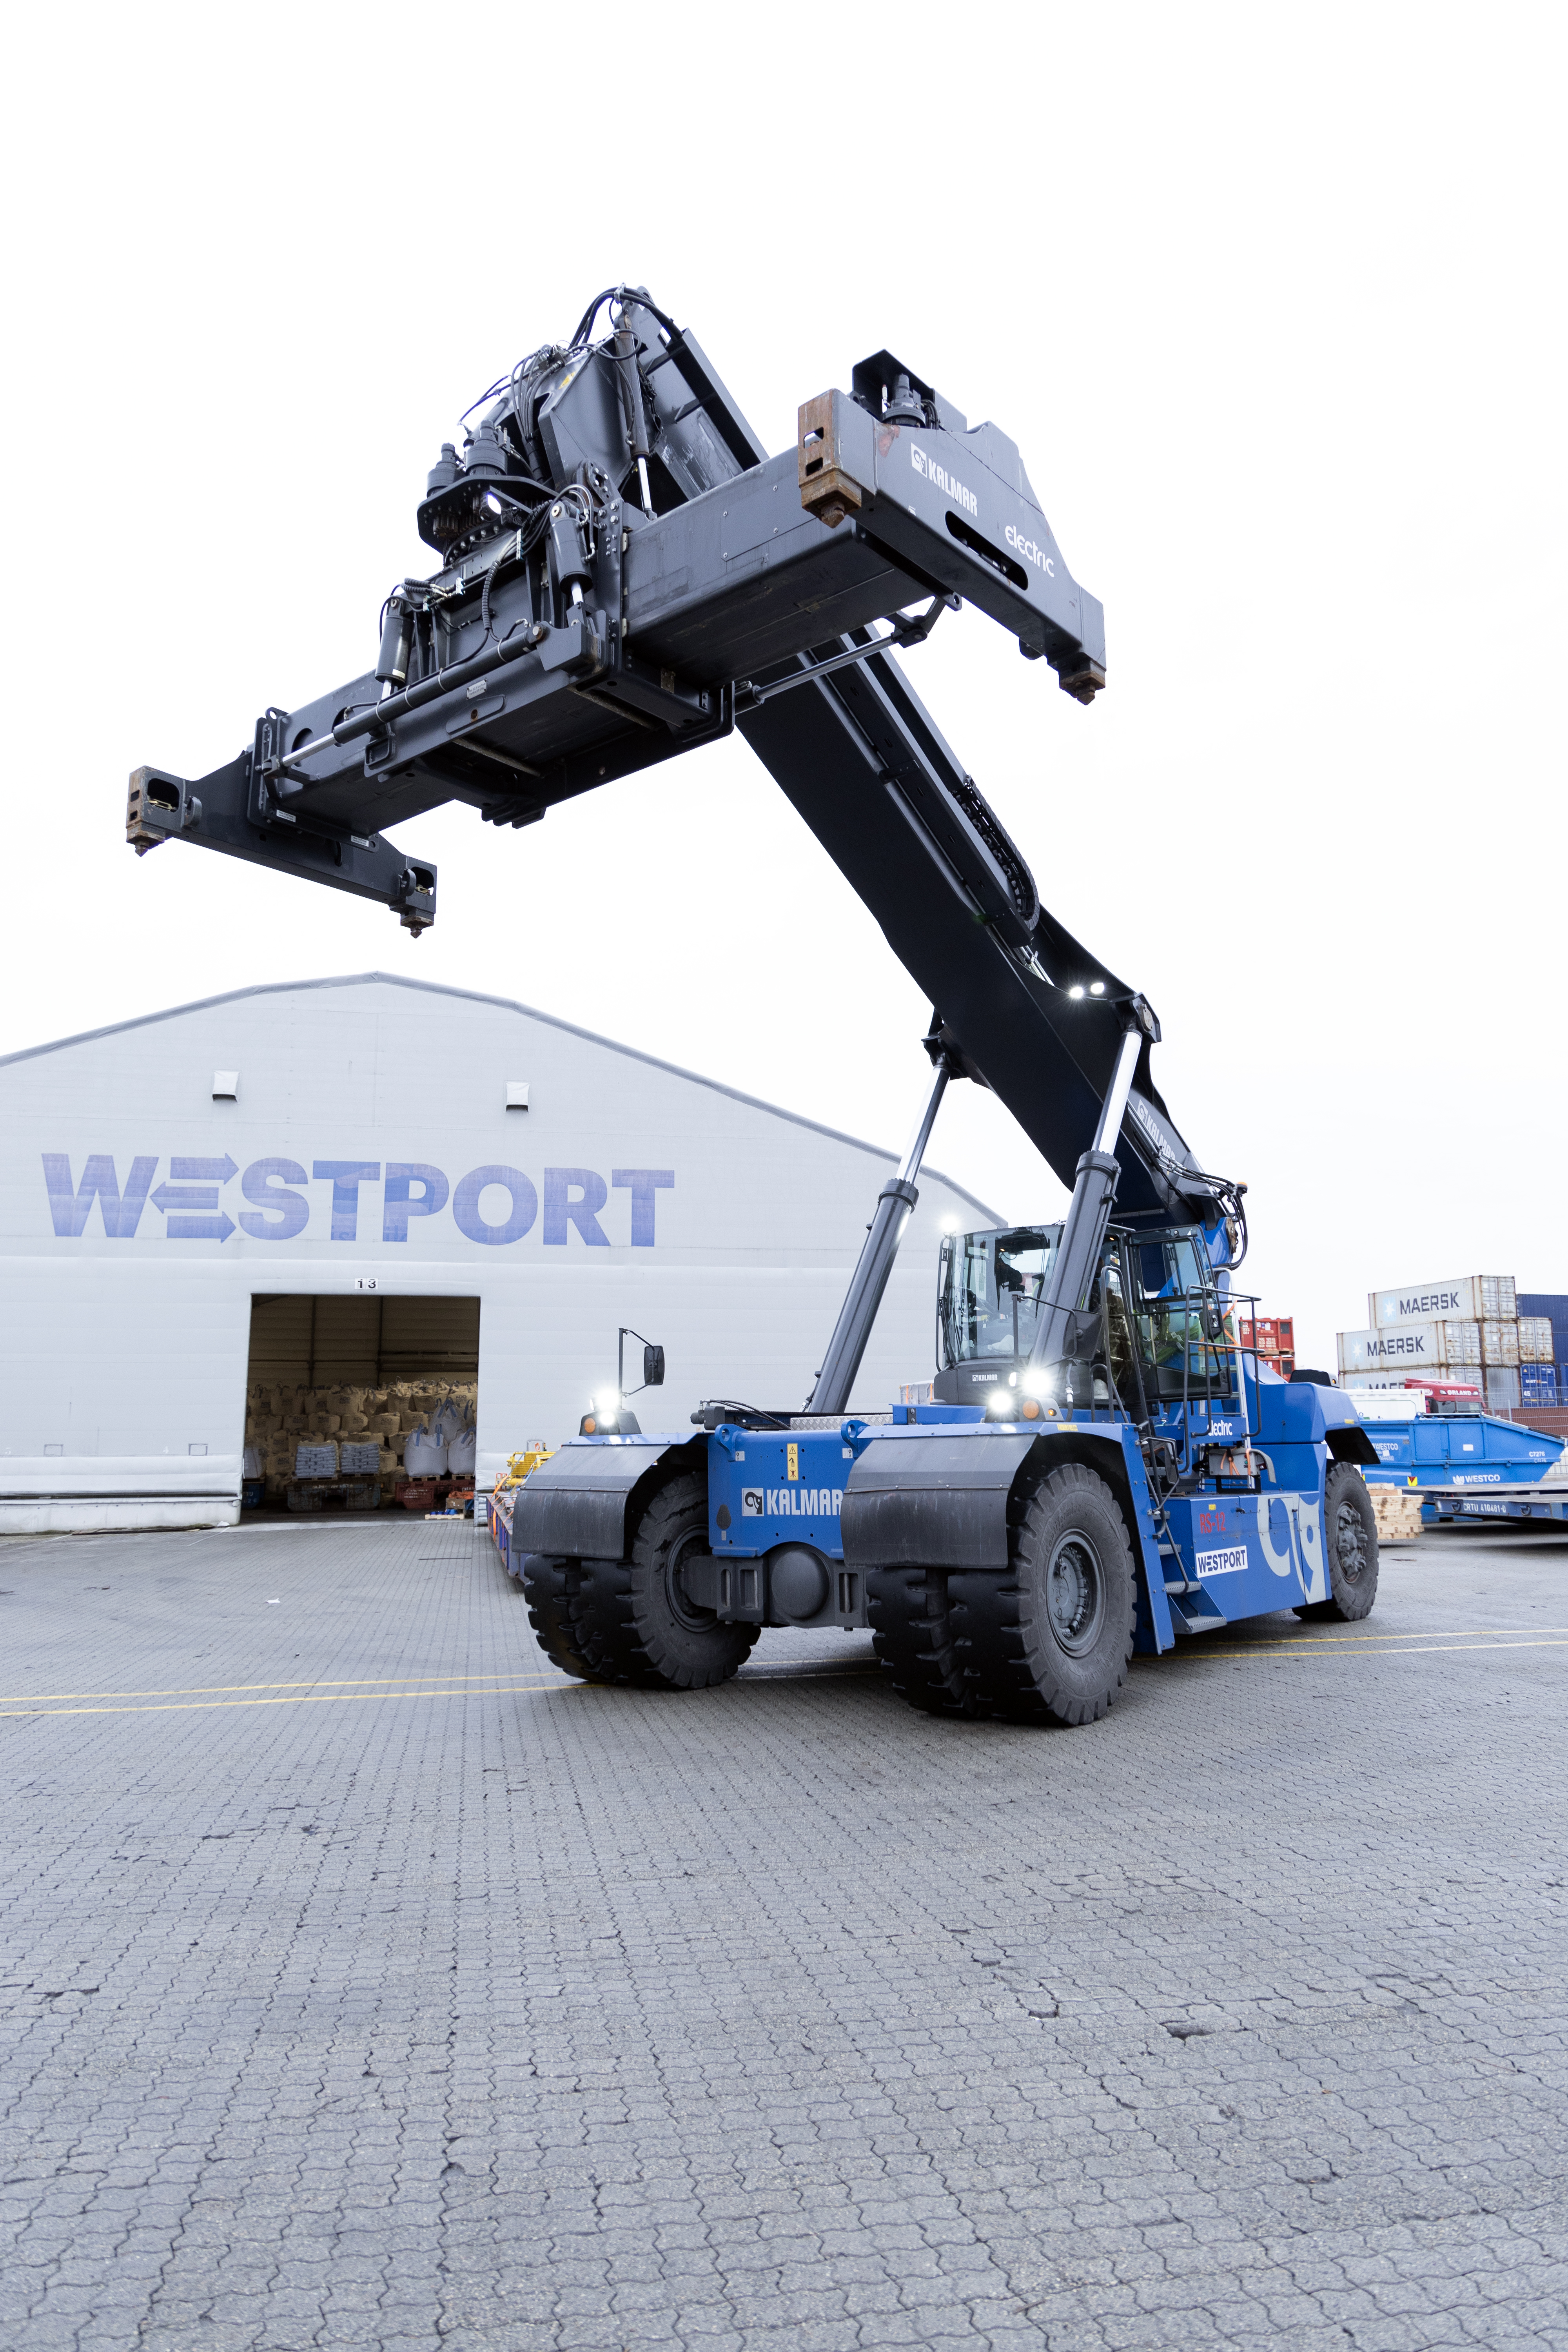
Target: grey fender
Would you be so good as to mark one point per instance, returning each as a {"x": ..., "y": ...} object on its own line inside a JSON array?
[
  {"x": 936, "y": 1500},
  {"x": 576, "y": 1506}
]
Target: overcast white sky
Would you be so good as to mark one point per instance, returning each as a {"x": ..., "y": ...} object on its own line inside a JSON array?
[{"x": 1272, "y": 300}]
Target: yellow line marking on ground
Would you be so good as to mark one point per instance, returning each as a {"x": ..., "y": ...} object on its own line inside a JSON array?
[
  {"x": 1427, "y": 1634},
  {"x": 295, "y": 1698},
  {"x": 370, "y": 1683},
  {"x": 301, "y": 1695},
  {"x": 1362, "y": 1649},
  {"x": 367, "y": 1683}
]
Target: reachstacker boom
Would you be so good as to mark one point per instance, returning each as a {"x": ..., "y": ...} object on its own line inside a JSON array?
[{"x": 623, "y": 573}]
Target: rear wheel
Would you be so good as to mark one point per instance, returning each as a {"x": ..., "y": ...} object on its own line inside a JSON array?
[
  {"x": 913, "y": 1630},
  {"x": 1349, "y": 1543},
  {"x": 1052, "y": 1640},
  {"x": 639, "y": 1622}
]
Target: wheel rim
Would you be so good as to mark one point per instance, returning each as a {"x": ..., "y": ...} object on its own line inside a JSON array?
[
  {"x": 1349, "y": 1543},
  {"x": 686, "y": 1612},
  {"x": 1075, "y": 1592}
]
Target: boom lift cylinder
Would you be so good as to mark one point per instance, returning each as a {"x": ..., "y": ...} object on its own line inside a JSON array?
[
  {"x": 895, "y": 1204},
  {"x": 1078, "y": 1253}
]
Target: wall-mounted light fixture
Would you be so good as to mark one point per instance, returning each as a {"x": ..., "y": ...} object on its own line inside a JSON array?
[
  {"x": 226, "y": 1085},
  {"x": 517, "y": 1094}
]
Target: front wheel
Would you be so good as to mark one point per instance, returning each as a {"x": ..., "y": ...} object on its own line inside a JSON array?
[
  {"x": 914, "y": 1635},
  {"x": 550, "y": 1588},
  {"x": 1051, "y": 1642}
]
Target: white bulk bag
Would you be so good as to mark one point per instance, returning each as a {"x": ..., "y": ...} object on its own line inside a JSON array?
[
  {"x": 424, "y": 1456},
  {"x": 460, "y": 1454}
]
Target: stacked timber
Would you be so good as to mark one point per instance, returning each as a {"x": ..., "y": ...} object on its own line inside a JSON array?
[{"x": 1397, "y": 1510}]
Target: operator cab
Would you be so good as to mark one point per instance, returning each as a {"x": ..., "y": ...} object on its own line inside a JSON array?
[{"x": 1154, "y": 1330}]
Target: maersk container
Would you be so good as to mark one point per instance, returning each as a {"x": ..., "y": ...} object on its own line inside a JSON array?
[
  {"x": 1411, "y": 1348},
  {"x": 1463, "y": 1299}
]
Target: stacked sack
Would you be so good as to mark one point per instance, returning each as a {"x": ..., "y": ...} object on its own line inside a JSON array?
[{"x": 279, "y": 1419}]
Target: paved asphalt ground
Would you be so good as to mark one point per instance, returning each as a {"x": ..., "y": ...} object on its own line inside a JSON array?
[{"x": 367, "y": 1984}]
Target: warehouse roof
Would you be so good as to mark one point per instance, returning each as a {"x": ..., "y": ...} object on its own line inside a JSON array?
[{"x": 505, "y": 1004}]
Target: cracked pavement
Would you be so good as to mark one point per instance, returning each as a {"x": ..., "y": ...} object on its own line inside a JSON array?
[{"x": 387, "y": 1990}]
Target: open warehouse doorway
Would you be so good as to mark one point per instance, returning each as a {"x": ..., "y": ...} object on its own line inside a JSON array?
[{"x": 361, "y": 1399}]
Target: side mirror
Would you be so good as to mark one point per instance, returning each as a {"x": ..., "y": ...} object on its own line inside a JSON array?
[{"x": 653, "y": 1368}]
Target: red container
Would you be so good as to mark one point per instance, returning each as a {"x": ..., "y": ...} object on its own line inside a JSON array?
[{"x": 415, "y": 1494}]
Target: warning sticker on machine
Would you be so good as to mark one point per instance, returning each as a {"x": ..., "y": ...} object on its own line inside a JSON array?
[
  {"x": 751, "y": 1502},
  {"x": 1222, "y": 1563}
]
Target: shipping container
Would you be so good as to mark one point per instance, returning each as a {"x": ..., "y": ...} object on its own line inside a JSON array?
[
  {"x": 1551, "y": 1307},
  {"x": 1503, "y": 1388},
  {"x": 1430, "y": 1392},
  {"x": 1538, "y": 1384},
  {"x": 1499, "y": 1343},
  {"x": 1272, "y": 1336},
  {"x": 1410, "y": 1348},
  {"x": 1463, "y": 1299},
  {"x": 1390, "y": 1404},
  {"x": 1536, "y": 1339}
]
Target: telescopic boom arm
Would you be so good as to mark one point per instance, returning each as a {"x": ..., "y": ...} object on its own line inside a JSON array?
[{"x": 624, "y": 574}]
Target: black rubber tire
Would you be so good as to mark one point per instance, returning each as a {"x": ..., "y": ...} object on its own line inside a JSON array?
[
  {"x": 636, "y": 1624},
  {"x": 550, "y": 1588},
  {"x": 1033, "y": 1662},
  {"x": 913, "y": 1634},
  {"x": 1349, "y": 1546}
]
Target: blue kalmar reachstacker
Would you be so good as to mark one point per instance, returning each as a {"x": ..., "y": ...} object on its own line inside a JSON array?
[{"x": 623, "y": 573}]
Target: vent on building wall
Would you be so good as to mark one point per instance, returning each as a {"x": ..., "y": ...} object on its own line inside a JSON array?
[
  {"x": 226, "y": 1085},
  {"x": 517, "y": 1094}
]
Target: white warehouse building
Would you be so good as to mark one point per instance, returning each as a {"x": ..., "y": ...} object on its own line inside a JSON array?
[{"x": 326, "y": 1177}]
